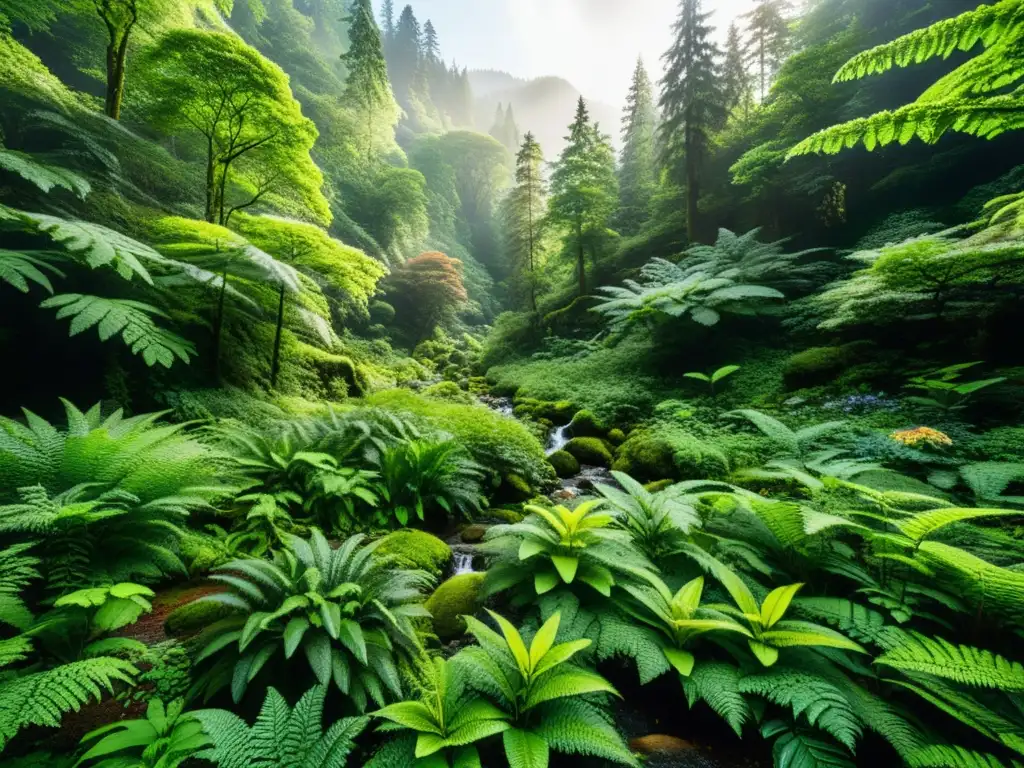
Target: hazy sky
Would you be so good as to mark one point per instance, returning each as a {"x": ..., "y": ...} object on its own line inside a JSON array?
[{"x": 591, "y": 43}]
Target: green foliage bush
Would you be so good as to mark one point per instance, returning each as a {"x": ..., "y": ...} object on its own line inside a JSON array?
[
  {"x": 590, "y": 450},
  {"x": 565, "y": 464},
  {"x": 461, "y": 595},
  {"x": 417, "y": 550},
  {"x": 586, "y": 424},
  {"x": 497, "y": 443},
  {"x": 450, "y": 392}
]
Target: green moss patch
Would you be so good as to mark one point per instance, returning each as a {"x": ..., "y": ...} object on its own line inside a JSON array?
[
  {"x": 565, "y": 464},
  {"x": 460, "y": 596},
  {"x": 417, "y": 550},
  {"x": 590, "y": 450}
]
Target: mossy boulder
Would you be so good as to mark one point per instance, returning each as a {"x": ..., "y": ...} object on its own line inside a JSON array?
[
  {"x": 449, "y": 391},
  {"x": 506, "y": 515},
  {"x": 195, "y": 616},
  {"x": 461, "y": 595},
  {"x": 471, "y": 534},
  {"x": 516, "y": 486},
  {"x": 586, "y": 424},
  {"x": 658, "y": 485},
  {"x": 565, "y": 463},
  {"x": 557, "y": 412},
  {"x": 382, "y": 313},
  {"x": 815, "y": 366},
  {"x": 616, "y": 437},
  {"x": 417, "y": 550},
  {"x": 670, "y": 453},
  {"x": 590, "y": 450}
]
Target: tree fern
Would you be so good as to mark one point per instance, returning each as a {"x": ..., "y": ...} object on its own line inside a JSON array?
[
  {"x": 823, "y": 704},
  {"x": 960, "y": 663},
  {"x": 994, "y": 588},
  {"x": 42, "y": 698},
  {"x": 281, "y": 737},
  {"x": 989, "y": 480},
  {"x": 132, "y": 320},
  {"x": 44, "y": 176},
  {"x": 718, "y": 685}
]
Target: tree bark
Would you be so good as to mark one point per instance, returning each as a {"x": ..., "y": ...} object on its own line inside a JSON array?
[
  {"x": 210, "y": 179},
  {"x": 275, "y": 362},
  {"x": 117, "y": 53},
  {"x": 581, "y": 259}
]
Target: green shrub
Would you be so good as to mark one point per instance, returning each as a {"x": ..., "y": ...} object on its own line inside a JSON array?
[
  {"x": 666, "y": 451},
  {"x": 1000, "y": 444},
  {"x": 417, "y": 550},
  {"x": 500, "y": 444},
  {"x": 517, "y": 486},
  {"x": 450, "y": 392},
  {"x": 590, "y": 450},
  {"x": 460, "y": 596},
  {"x": 565, "y": 463},
  {"x": 382, "y": 313},
  {"x": 586, "y": 424},
  {"x": 814, "y": 366}
]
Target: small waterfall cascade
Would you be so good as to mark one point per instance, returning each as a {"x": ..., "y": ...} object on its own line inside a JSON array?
[
  {"x": 462, "y": 563},
  {"x": 559, "y": 437}
]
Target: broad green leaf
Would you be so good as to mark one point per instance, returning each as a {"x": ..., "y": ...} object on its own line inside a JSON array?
[
  {"x": 777, "y": 603},
  {"x": 524, "y": 749},
  {"x": 566, "y": 566},
  {"x": 764, "y": 653},
  {"x": 514, "y": 641},
  {"x": 683, "y": 661},
  {"x": 544, "y": 639}
]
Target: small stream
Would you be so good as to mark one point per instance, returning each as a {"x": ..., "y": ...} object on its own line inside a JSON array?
[{"x": 558, "y": 439}]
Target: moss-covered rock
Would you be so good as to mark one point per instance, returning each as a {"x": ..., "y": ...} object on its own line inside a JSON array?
[
  {"x": 815, "y": 366},
  {"x": 586, "y": 424},
  {"x": 557, "y": 412},
  {"x": 416, "y": 549},
  {"x": 658, "y": 485},
  {"x": 506, "y": 515},
  {"x": 670, "y": 452},
  {"x": 565, "y": 463},
  {"x": 590, "y": 450},
  {"x": 382, "y": 313},
  {"x": 192, "y": 617},
  {"x": 471, "y": 534},
  {"x": 516, "y": 485},
  {"x": 616, "y": 437},
  {"x": 460, "y": 596}
]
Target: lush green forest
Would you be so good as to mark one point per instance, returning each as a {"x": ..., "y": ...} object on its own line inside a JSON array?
[{"x": 354, "y": 413}]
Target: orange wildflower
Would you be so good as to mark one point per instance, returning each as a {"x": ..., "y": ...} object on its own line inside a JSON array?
[{"x": 918, "y": 435}]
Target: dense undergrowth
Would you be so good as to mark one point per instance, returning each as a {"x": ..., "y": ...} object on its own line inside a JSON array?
[{"x": 335, "y": 432}]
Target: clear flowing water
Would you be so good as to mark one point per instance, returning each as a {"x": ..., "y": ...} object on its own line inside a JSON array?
[
  {"x": 462, "y": 562},
  {"x": 557, "y": 439}
]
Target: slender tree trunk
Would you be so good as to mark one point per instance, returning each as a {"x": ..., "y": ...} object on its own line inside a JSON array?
[
  {"x": 533, "y": 287},
  {"x": 211, "y": 182},
  {"x": 692, "y": 185},
  {"x": 275, "y": 362},
  {"x": 221, "y": 192},
  {"x": 581, "y": 259},
  {"x": 218, "y": 324}
]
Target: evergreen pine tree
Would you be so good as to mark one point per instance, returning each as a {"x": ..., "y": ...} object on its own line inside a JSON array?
[
  {"x": 637, "y": 176},
  {"x": 387, "y": 18},
  {"x": 769, "y": 41},
  {"x": 464, "y": 100},
  {"x": 736, "y": 80},
  {"x": 431, "y": 48},
  {"x": 510, "y": 133},
  {"x": 405, "y": 59},
  {"x": 498, "y": 128},
  {"x": 524, "y": 211},
  {"x": 691, "y": 102},
  {"x": 583, "y": 186},
  {"x": 367, "y": 88}
]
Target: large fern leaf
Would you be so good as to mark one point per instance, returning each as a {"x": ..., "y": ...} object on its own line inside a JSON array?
[
  {"x": 44, "y": 176},
  {"x": 945, "y": 756},
  {"x": 799, "y": 748},
  {"x": 960, "y": 663},
  {"x": 718, "y": 684},
  {"x": 998, "y": 589},
  {"x": 862, "y": 624},
  {"x": 18, "y": 269},
  {"x": 824, "y": 704},
  {"x": 42, "y": 698},
  {"x": 133, "y": 320},
  {"x": 576, "y": 727},
  {"x": 987, "y": 25}
]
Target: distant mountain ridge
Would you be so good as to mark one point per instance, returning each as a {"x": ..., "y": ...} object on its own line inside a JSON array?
[{"x": 544, "y": 105}]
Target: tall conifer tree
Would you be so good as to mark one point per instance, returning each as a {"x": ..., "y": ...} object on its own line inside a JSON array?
[
  {"x": 770, "y": 41},
  {"x": 387, "y": 20},
  {"x": 405, "y": 59},
  {"x": 510, "y": 133},
  {"x": 691, "y": 102},
  {"x": 583, "y": 186},
  {"x": 737, "y": 86},
  {"x": 367, "y": 88},
  {"x": 637, "y": 174},
  {"x": 525, "y": 208}
]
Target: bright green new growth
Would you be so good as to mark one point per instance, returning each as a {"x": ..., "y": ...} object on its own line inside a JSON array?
[
  {"x": 166, "y": 738},
  {"x": 714, "y": 378}
]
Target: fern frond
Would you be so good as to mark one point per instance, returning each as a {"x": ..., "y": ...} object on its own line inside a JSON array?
[
  {"x": 998, "y": 589},
  {"x": 824, "y": 704},
  {"x": 960, "y": 663},
  {"x": 576, "y": 727},
  {"x": 799, "y": 748},
  {"x": 862, "y": 624},
  {"x": 986, "y": 25},
  {"x": 945, "y": 756},
  {"x": 132, "y": 320},
  {"x": 717, "y": 684},
  {"x": 18, "y": 269},
  {"x": 42, "y": 698},
  {"x": 44, "y": 176}
]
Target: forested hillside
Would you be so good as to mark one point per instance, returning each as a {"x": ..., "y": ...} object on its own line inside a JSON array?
[{"x": 366, "y": 408}]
